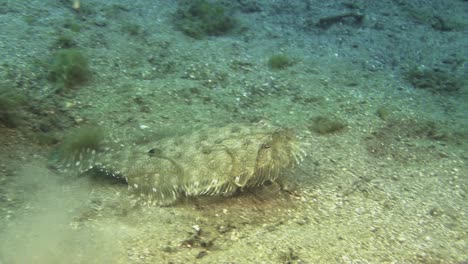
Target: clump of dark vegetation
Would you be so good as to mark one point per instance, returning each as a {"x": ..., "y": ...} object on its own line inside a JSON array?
[
  {"x": 324, "y": 125},
  {"x": 201, "y": 18},
  {"x": 443, "y": 24},
  {"x": 434, "y": 19},
  {"x": 400, "y": 139},
  {"x": 72, "y": 25},
  {"x": 249, "y": 6},
  {"x": 353, "y": 19},
  {"x": 11, "y": 107},
  {"x": 384, "y": 112},
  {"x": 69, "y": 69},
  {"x": 434, "y": 80},
  {"x": 64, "y": 41},
  {"x": 279, "y": 62},
  {"x": 132, "y": 29},
  {"x": 79, "y": 141}
]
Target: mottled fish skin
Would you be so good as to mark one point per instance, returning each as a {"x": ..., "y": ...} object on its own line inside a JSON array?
[{"x": 212, "y": 161}]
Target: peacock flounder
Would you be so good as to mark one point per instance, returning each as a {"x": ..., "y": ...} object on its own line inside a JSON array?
[{"x": 212, "y": 161}]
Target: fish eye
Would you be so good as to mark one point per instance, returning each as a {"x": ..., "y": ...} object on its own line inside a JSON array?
[
  {"x": 154, "y": 152},
  {"x": 266, "y": 146}
]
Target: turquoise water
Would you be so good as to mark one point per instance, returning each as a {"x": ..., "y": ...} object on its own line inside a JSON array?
[{"x": 324, "y": 132}]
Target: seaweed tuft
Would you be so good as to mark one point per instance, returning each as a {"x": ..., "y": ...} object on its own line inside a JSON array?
[
  {"x": 11, "y": 107},
  {"x": 201, "y": 18},
  {"x": 279, "y": 62},
  {"x": 69, "y": 69}
]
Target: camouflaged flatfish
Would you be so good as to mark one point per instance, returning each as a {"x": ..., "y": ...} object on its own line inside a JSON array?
[{"x": 212, "y": 161}]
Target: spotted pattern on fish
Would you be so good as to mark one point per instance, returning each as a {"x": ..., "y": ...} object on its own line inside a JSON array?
[{"x": 211, "y": 161}]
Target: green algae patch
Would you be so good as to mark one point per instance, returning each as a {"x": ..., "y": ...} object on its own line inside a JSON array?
[
  {"x": 434, "y": 80},
  {"x": 201, "y": 18},
  {"x": 8, "y": 112},
  {"x": 323, "y": 125},
  {"x": 279, "y": 62},
  {"x": 69, "y": 69},
  {"x": 10, "y": 107}
]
